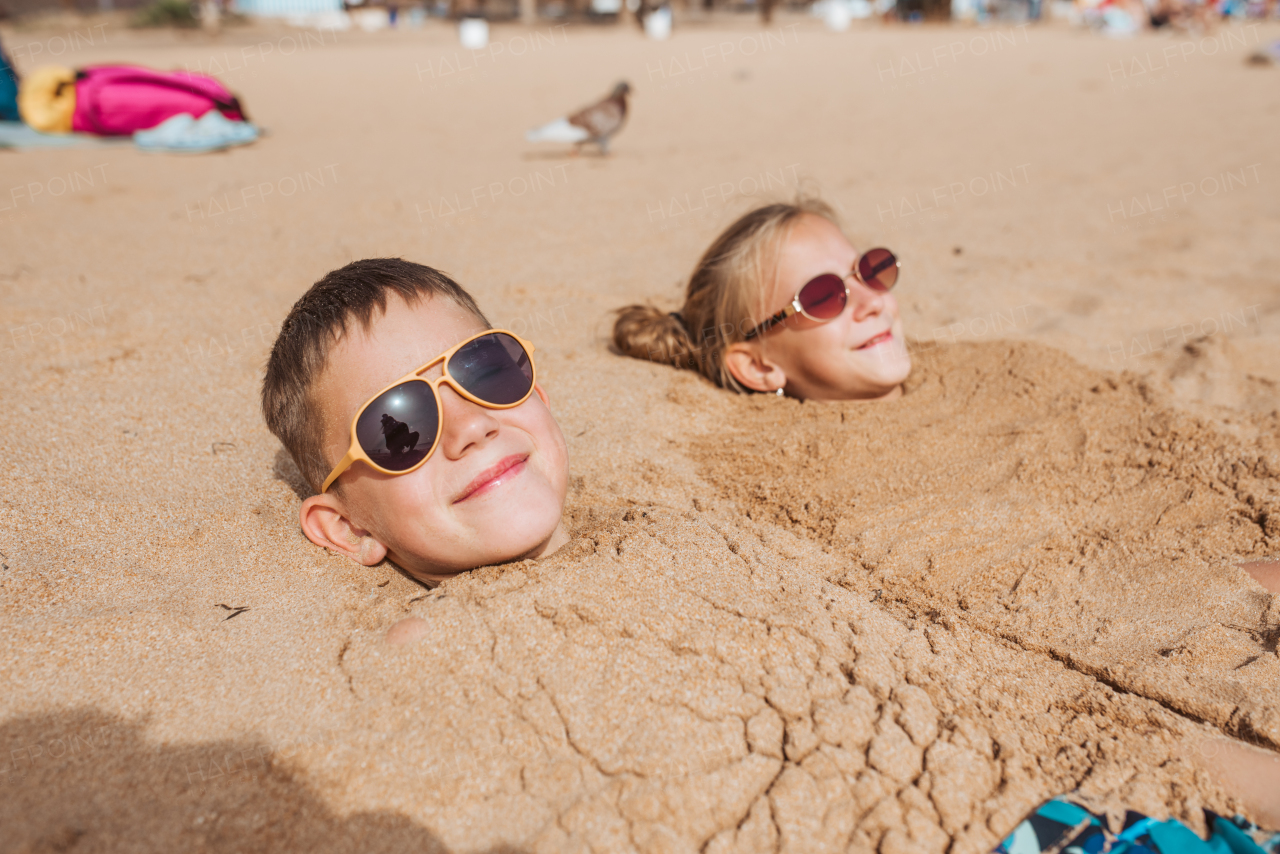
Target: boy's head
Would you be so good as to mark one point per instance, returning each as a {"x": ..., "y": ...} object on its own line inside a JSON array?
[{"x": 493, "y": 490}]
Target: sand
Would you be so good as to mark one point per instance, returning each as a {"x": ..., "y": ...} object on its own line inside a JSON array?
[{"x": 779, "y": 626}]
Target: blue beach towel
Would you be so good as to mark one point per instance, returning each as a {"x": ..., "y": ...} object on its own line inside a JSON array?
[
  {"x": 8, "y": 89},
  {"x": 19, "y": 136},
  {"x": 184, "y": 133},
  {"x": 1062, "y": 827}
]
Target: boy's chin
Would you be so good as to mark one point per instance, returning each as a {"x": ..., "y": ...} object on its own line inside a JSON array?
[
  {"x": 501, "y": 546},
  {"x": 511, "y": 536}
]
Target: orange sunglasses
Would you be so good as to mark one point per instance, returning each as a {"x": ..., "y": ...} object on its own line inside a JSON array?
[{"x": 399, "y": 428}]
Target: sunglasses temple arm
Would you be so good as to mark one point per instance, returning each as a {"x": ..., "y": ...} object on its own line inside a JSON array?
[
  {"x": 346, "y": 463},
  {"x": 777, "y": 318}
]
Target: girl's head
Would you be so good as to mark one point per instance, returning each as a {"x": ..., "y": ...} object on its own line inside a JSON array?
[{"x": 753, "y": 270}]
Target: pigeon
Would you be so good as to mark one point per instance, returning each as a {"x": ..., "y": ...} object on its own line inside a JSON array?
[{"x": 596, "y": 123}]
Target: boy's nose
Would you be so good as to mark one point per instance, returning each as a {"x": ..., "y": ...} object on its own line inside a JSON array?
[{"x": 467, "y": 426}]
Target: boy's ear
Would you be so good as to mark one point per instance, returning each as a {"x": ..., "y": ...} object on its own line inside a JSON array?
[
  {"x": 323, "y": 520},
  {"x": 749, "y": 367}
]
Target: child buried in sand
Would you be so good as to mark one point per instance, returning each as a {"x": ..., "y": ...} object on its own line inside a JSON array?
[
  {"x": 839, "y": 337},
  {"x": 781, "y": 302},
  {"x": 422, "y": 429}
]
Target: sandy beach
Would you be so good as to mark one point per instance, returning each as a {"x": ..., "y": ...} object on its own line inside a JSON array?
[{"x": 779, "y": 625}]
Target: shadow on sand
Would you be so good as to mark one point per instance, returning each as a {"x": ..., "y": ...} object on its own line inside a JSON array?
[
  {"x": 566, "y": 155},
  {"x": 91, "y": 781}
]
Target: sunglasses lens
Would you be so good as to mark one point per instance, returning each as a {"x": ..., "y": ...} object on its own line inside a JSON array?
[
  {"x": 824, "y": 297},
  {"x": 878, "y": 268},
  {"x": 495, "y": 368},
  {"x": 399, "y": 428}
]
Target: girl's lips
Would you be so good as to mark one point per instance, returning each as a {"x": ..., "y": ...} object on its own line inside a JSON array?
[
  {"x": 505, "y": 469},
  {"x": 882, "y": 338}
]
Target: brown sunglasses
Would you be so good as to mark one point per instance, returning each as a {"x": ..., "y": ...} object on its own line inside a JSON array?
[{"x": 823, "y": 297}]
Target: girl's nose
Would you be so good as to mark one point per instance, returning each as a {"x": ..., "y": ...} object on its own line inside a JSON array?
[{"x": 867, "y": 302}]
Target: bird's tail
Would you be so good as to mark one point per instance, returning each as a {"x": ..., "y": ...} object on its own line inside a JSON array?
[{"x": 558, "y": 131}]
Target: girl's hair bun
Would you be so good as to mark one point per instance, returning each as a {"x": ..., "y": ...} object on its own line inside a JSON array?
[
  {"x": 647, "y": 332},
  {"x": 724, "y": 297}
]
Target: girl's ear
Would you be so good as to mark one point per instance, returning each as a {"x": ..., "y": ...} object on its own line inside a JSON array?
[
  {"x": 323, "y": 520},
  {"x": 750, "y": 368}
]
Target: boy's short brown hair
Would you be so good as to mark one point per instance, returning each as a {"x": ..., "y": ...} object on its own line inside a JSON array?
[{"x": 318, "y": 321}]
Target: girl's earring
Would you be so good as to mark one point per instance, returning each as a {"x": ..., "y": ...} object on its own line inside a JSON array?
[{"x": 779, "y": 392}]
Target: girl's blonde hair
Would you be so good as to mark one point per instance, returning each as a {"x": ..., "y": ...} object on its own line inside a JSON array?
[{"x": 724, "y": 298}]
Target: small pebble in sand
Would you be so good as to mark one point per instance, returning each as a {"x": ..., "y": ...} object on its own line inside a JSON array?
[{"x": 408, "y": 630}]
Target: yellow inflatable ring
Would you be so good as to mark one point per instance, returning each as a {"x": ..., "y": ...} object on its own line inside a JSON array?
[{"x": 47, "y": 99}]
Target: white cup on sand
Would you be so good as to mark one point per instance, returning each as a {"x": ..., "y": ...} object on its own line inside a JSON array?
[
  {"x": 837, "y": 15},
  {"x": 657, "y": 24},
  {"x": 473, "y": 33}
]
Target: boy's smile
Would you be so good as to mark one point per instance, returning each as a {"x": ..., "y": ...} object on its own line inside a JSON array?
[
  {"x": 491, "y": 492},
  {"x": 487, "y": 481}
]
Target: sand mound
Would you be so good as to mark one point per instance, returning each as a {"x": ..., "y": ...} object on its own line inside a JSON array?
[
  {"x": 779, "y": 626},
  {"x": 837, "y": 627},
  {"x": 672, "y": 680},
  {"x": 1071, "y": 511}
]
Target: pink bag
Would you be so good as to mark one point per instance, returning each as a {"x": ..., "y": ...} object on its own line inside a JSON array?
[{"x": 116, "y": 100}]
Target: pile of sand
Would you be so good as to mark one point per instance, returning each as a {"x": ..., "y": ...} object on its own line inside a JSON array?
[
  {"x": 893, "y": 628},
  {"x": 1073, "y": 512},
  {"x": 779, "y": 625}
]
